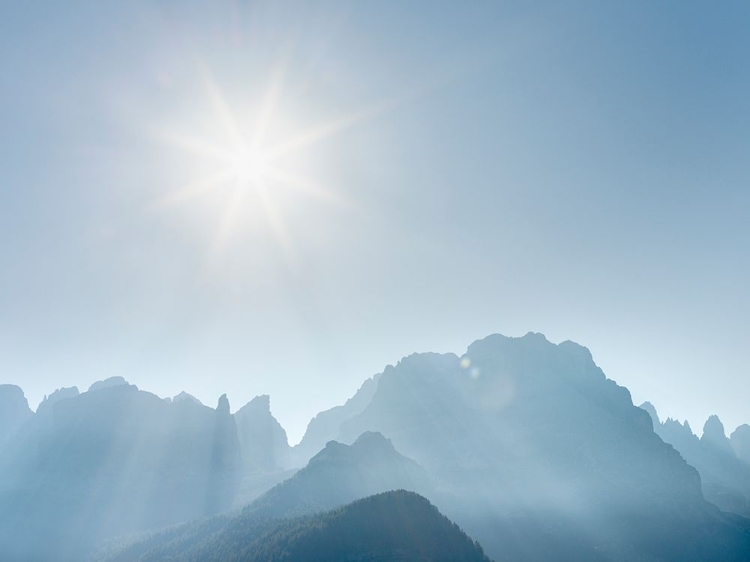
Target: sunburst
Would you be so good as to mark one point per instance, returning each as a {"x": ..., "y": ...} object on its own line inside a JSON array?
[{"x": 249, "y": 168}]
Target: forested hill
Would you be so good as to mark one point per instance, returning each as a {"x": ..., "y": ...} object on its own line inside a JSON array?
[{"x": 388, "y": 527}]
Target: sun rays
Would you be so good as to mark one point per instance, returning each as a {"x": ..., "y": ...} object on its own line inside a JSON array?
[{"x": 251, "y": 174}]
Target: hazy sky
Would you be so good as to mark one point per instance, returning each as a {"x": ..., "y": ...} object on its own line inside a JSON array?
[{"x": 580, "y": 169}]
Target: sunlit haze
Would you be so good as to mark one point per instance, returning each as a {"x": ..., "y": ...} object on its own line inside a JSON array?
[{"x": 285, "y": 197}]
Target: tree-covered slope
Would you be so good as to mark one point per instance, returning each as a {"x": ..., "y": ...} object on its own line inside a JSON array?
[{"x": 389, "y": 527}]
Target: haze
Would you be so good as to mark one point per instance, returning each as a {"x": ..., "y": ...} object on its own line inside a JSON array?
[{"x": 460, "y": 170}]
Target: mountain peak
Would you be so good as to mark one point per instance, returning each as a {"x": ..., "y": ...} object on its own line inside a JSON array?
[
  {"x": 261, "y": 404},
  {"x": 14, "y": 410},
  {"x": 184, "y": 396},
  {"x": 262, "y": 439},
  {"x": 108, "y": 383},
  {"x": 57, "y": 396},
  {"x": 374, "y": 442},
  {"x": 649, "y": 407},
  {"x": 535, "y": 337},
  {"x": 223, "y": 406},
  {"x": 341, "y": 473}
]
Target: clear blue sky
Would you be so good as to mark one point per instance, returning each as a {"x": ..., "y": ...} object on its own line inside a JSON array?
[{"x": 580, "y": 169}]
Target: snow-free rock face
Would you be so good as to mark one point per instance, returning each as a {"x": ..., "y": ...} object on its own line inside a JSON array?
[
  {"x": 740, "y": 440},
  {"x": 14, "y": 411},
  {"x": 263, "y": 441}
]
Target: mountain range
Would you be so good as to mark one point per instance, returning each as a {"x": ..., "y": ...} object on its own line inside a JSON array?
[
  {"x": 725, "y": 474},
  {"x": 525, "y": 444}
]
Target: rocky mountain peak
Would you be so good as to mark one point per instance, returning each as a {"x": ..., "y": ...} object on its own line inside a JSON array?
[
  {"x": 222, "y": 408},
  {"x": 55, "y": 397},
  {"x": 14, "y": 410},
  {"x": 110, "y": 382},
  {"x": 715, "y": 436},
  {"x": 649, "y": 407}
]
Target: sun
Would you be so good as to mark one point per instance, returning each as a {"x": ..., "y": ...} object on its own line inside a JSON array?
[
  {"x": 248, "y": 171},
  {"x": 249, "y": 166}
]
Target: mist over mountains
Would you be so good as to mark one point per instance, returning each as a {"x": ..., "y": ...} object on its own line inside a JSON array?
[
  {"x": 525, "y": 444},
  {"x": 721, "y": 461}
]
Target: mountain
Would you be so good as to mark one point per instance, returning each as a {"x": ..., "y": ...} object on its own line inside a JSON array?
[
  {"x": 110, "y": 461},
  {"x": 265, "y": 450},
  {"x": 389, "y": 527},
  {"x": 525, "y": 444},
  {"x": 714, "y": 437},
  {"x": 46, "y": 407},
  {"x": 343, "y": 473},
  {"x": 740, "y": 440},
  {"x": 14, "y": 411},
  {"x": 324, "y": 427},
  {"x": 543, "y": 454},
  {"x": 725, "y": 478},
  {"x": 336, "y": 476},
  {"x": 263, "y": 441},
  {"x": 111, "y": 382},
  {"x": 185, "y": 396}
]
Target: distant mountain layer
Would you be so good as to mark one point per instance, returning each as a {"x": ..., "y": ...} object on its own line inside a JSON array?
[
  {"x": 725, "y": 474},
  {"x": 389, "y": 527},
  {"x": 262, "y": 439},
  {"x": 110, "y": 461},
  {"x": 740, "y": 440},
  {"x": 325, "y": 426},
  {"x": 115, "y": 459}
]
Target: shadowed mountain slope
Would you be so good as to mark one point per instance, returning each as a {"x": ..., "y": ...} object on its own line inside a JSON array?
[{"x": 389, "y": 527}]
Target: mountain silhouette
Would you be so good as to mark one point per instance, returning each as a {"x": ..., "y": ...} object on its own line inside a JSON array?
[
  {"x": 262, "y": 439},
  {"x": 14, "y": 411},
  {"x": 342, "y": 473},
  {"x": 740, "y": 440},
  {"x": 111, "y": 461},
  {"x": 336, "y": 476},
  {"x": 543, "y": 454},
  {"x": 324, "y": 427},
  {"x": 725, "y": 478},
  {"x": 46, "y": 407},
  {"x": 388, "y": 527},
  {"x": 525, "y": 444}
]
